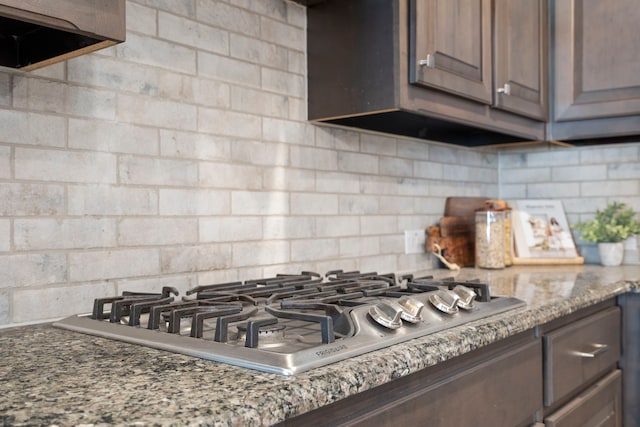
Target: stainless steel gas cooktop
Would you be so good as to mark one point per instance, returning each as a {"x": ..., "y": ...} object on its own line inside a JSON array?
[{"x": 291, "y": 323}]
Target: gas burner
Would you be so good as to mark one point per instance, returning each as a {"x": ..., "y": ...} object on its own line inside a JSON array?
[{"x": 290, "y": 323}]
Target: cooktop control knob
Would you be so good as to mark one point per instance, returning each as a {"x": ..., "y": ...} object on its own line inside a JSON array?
[
  {"x": 411, "y": 309},
  {"x": 445, "y": 301},
  {"x": 387, "y": 314},
  {"x": 467, "y": 295}
]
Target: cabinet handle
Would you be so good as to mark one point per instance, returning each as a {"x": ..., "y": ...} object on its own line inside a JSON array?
[
  {"x": 599, "y": 349},
  {"x": 506, "y": 89},
  {"x": 429, "y": 62}
]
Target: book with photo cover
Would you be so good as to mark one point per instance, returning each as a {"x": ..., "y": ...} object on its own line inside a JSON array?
[{"x": 541, "y": 230}]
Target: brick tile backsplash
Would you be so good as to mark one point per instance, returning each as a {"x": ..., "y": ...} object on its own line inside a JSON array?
[
  {"x": 5, "y": 235},
  {"x": 5, "y": 162},
  {"x": 184, "y": 157},
  {"x": 19, "y": 127}
]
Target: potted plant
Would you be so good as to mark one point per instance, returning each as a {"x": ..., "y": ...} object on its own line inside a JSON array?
[{"x": 609, "y": 229}]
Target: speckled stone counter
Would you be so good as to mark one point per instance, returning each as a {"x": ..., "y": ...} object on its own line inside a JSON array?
[{"x": 50, "y": 376}]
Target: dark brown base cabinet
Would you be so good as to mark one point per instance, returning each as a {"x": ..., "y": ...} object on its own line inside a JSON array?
[
  {"x": 561, "y": 374},
  {"x": 500, "y": 385},
  {"x": 630, "y": 362},
  {"x": 582, "y": 382}
]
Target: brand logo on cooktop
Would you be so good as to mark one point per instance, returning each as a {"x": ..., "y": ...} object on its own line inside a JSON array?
[{"x": 330, "y": 350}]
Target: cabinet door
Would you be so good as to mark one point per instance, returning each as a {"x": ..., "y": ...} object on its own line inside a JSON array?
[
  {"x": 451, "y": 46},
  {"x": 520, "y": 57},
  {"x": 600, "y": 405},
  {"x": 597, "y": 60}
]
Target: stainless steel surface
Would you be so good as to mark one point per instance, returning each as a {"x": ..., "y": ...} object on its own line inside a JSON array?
[
  {"x": 387, "y": 314},
  {"x": 466, "y": 297},
  {"x": 445, "y": 301},
  {"x": 274, "y": 340},
  {"x": 411, "y": 309}
]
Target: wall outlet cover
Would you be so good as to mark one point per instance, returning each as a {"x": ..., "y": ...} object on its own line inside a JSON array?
[{"x": 414, "y": 241}]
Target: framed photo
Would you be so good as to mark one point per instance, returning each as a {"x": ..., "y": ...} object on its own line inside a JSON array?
[{"x": 541, "y": 232}]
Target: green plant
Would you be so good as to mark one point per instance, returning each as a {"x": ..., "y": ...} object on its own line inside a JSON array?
[{"x": 614, "y": 224}]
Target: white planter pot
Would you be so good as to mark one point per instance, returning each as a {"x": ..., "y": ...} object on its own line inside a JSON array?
[{"x": 611, "y": 254}]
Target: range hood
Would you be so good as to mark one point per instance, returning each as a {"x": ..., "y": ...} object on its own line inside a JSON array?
[{"x": 36, "y": 33}]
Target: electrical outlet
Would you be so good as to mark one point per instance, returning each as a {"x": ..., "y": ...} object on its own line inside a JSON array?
[{"x": 413, "y": 241}]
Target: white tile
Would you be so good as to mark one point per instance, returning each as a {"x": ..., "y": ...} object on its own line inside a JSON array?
[
  {"x": 283, "y": 82},
  {"x": 157, "y": 231},
  {"x": 230, "y": 229},
  {"x": 314, "y": 249},
  {"x": 229, "y": 123},
  {"x": 337, "y": 226},
  {"x": 228, "y": 69},
  {"x": 278, "y": 227},
  {"x": 578, "y": 173},
  {"x": 93, "y": 103},
  {"x": 192, "y": 34},
  {"x": 158, "y": 53},
  {"x": 258, "y": 52},
  {"x": 227, "y": 16},
  {"x": 5, "y": 235},
  {"x": 194, "y": 202},
  {"x": 157, "y": 112},
  {"x": 200, "y": 258},
  {"x": 31, "y": 128},
  {"x": 45, "y": 304},
  {"x": 17, "y": 271},
  {"x": 283, "y": 34},
  {"x": 226, "y": 175},
  {"x": 153, "y": 171},
  {"x": 259, "y": 102},
  {"x": 5, "y": 162},
  {"x": 194, "y": 145},
  {"x": 112, "y": 137},
  {"x": 31, "y": 199},
  {"x": 111, "y": 200},
  {"x": 259, "y": 203},
  {"x": 72, "y": 233},
  {"x": 260, "y": 253},
  {"x": 65, "y": 166},
  {"x": 141, "y": 19},
  {"x": 359, "y": 246},
  {"x": 112, "y": 264},
  {"x": 314, "y": 204},
  {"x": 358, "y": 163}
]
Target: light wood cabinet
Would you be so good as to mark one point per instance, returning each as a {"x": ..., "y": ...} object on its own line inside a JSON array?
[{"x": 596, "y": 69}]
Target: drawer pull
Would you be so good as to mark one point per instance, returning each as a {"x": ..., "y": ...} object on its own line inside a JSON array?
[{"x": 599, "y": 349}]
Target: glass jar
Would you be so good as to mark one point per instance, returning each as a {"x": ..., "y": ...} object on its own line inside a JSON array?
[
  {"x": 508, "y": 238},
  {"x": 490, "y": 239}
]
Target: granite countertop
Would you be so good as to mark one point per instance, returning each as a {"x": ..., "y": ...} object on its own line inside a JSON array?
[{"x": 51, "y": 376}]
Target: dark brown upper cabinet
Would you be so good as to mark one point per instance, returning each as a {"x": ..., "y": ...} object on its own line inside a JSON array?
[
  {"x": 596, "y": 69},
  {"x": 36, "y": 33},
  {"x": 456, "y": 61},
  {"x": 499, "y": 60},
  {"x": 469, "y": 72},
  {"x": 520, "y": 57}
]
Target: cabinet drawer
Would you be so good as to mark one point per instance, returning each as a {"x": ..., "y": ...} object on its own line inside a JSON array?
[
  {"x": 600, "y": 405},
  {"x": 578, "y": 353}
]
